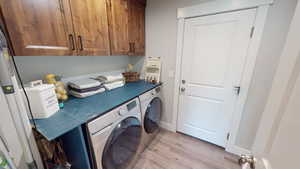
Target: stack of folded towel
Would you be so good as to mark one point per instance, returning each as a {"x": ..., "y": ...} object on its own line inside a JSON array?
[
  {"x": 112, "y": 82},
  {"x": 85, "y": 87},
  {"x": 82, "y": 88}
]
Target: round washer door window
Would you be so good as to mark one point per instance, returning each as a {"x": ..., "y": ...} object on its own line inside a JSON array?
[
  {"x": 153, "y": 115},
  {"x": 122, "y": 144}
]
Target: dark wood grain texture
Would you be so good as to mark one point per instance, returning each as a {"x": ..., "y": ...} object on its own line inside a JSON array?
[
  {"x": 75, "y": 27},
  {"x": 137, "y": 27},
  {"x": 38, "y": 27},
  {"x": 118, "y": 26},
  {"x": 91, "y": 27}
]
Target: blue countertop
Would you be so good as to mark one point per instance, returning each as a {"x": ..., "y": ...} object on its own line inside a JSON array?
[{"x": 78, "y": 111}]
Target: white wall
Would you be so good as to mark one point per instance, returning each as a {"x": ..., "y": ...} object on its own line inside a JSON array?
[
  {"x": 285, "y": 143},
  {"x": 274, "y": 37},
  {"x": 278, "y": 137},
  {"x": 161, "y": 31},
  {"x": 285, "y": 150},
  {"x": 35, "y": 67}
]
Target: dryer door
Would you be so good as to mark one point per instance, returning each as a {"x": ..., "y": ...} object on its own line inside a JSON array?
[
  {"x": 153, "y": 115},
  {"x": 122, "y": 145}
]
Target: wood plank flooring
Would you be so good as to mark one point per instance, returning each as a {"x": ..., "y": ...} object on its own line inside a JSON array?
[{"x": 177, "y": 151}]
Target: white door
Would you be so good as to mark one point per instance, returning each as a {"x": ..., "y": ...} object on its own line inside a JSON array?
[{"x": 214, "y": 54}]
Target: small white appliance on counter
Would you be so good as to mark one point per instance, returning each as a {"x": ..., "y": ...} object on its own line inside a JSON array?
[{"x": 43, "y": 100}]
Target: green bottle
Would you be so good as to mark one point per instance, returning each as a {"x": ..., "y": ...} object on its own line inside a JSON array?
[{"x": 3, "y": 162}]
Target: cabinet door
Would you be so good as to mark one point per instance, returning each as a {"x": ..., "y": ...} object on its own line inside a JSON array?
[
  {"x": 91, "y": 26},
  {"x": 118, "y": 22},
  {"x": 39, "y": 27},
  {"x": 137, "y": 27}
]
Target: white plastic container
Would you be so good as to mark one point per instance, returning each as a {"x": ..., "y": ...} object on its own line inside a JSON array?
[{"x": 43, "y": 100}]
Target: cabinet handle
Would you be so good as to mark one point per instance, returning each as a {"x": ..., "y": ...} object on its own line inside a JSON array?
[
  {"x": 80, "y": 42},
  {"x": 133, "y": 47},
  {"x": 72, "y": 44},
  {"x": 130, "y": 47}
]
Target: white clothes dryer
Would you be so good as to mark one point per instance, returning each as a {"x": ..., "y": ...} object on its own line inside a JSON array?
[{"x": 151, "y": 108}]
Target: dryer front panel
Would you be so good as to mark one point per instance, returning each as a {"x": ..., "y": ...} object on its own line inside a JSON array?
[
  {"x": 153, "y": 115},
  {"x": 122, "y": 144}
]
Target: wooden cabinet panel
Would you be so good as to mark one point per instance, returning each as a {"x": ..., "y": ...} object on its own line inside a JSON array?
[
  {"x": 39, "y": 27},
  {"x": 118, "y": 26},
  {"x": 76, "y": 27},
  {"x": 137, "y": 27},
  {"x": 91, "y": 26}
]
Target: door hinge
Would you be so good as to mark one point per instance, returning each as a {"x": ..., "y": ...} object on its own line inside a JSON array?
[
  {"x": 228, "y": 136},
  {"x": 252, "y": 32},
  {"x": 237, "y": 89}
]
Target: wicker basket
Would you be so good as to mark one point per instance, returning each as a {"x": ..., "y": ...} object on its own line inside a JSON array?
[{"x": 131, "y": 76}]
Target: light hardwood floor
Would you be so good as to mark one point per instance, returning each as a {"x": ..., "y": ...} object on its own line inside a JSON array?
[{"x": 177, "y": 151}]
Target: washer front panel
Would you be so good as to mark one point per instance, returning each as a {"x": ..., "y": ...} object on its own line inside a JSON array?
[{"x": 122, "y": 144}]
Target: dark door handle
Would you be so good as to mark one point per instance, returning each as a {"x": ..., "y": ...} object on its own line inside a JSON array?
[
  {"x": 72, "y": 43},
  {"x": 80, "y": 42}
]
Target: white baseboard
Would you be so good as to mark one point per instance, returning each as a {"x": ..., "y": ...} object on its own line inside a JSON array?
[
  {"x": 167, "y": 126},
  {"x": 237, "y": 150}
]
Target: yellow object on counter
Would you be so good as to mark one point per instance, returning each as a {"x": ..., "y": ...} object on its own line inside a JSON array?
[{"x": 61, "y": 92}]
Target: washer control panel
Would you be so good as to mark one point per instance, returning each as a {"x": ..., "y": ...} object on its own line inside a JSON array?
[
  {"x": 127, "y": 108},
  {"x": 131, "y": 105}
]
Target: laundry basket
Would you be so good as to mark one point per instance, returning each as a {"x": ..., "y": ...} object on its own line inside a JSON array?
[{"x": 131, "y": 76}]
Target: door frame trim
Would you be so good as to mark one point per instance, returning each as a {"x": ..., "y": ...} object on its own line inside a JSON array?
[
  {"x": 262, "y": 7},
  {"x": 216, "y": 7}
]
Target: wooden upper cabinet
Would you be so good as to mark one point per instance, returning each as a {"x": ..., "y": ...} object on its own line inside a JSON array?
[
  {"x": 91, "y": 27},
  {"x": 39, "y": 27},
  {"x": 137, "y": 27},
  {"x": 75, "y": 27},
  {"x": 118, "y": 26},
  {"x": 127, "y": 27}
]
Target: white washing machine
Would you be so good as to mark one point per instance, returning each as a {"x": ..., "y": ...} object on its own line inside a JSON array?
[
  {"x": 116, "y": 136},
  {"x": 151, "y": 108}
]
